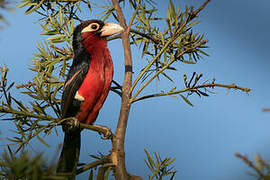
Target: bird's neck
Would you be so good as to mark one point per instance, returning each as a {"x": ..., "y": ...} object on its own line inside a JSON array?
[
  {"x": 93, "y": 43},
  {"x": 99, "y": 53}
]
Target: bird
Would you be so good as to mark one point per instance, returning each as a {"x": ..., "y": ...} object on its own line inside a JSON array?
[{"x": 86, "y": 87}]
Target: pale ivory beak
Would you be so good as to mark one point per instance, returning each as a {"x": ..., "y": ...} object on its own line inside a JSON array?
[{"x": 110, "y": 29}]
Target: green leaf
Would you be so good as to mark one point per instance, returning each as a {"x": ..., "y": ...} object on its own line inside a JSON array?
[
  {"x": 193, "y": 23},
  {"x": 186, "y": 100},
  {"x": 35, "y": 8},
  {"x": 42, "y": 141},
  {"x": 10, "y": 86},
  {"x": 20, "y": 105},
  {"x": 58, "y": 37},
  {"x": 31, "y": 94},
  {"x": 204, "y": 53},
  {"x": 107, "y": 173},
  {"x": 145, "y": 48},
  {"x": 172, "y": 89},
  {"x": 71, "y": 26},
  {"x": 203, "y": 93},
  {"x": 172, "y": 9},
  {"x": 143, "y": 19},
  {"x": 188, "y": 62},
  {"x": 25, "y": 4},
  {"x": 259, "y": 163},
  {"x": 157, "y": 160},
  {"x": 51, "y": 32},
  {"x": 185, "y": 80},
  {"x": 150, "y": 162},
  {"x": 91, "y": 175},
  {"x": 166, "y": 76}
]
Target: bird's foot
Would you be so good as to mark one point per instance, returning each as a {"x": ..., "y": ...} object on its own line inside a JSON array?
[
  {"x": 72, "y": 124},
  {"x": 107, "y": 133}
]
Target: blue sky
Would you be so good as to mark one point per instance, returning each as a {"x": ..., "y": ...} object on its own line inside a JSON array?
[{"x": 203, "y": 138}]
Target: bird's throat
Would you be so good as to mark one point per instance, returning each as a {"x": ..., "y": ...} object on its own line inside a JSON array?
[{"x": 97, "y": 82}]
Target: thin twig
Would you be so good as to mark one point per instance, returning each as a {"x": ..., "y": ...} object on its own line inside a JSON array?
[
  {"x": 133, "y": 16},
  {"x": 93, "y": 165},
  {"x": 196, "y": 12},
  {"x": 29, "y": 84},
  {"x": 114, "y": 89},
  {"x": 117, "y": 84},
  {"x": 101, "y": 172},
  {"x": 25, "y": 113},
  {"x": 154, "y": 40},
  {"x": 250, "y": 164},
  {"x": 61, "y": 50},
  {"x": 149, "y": 65},
  {"x": 232, "y": 86},
  {"x": 163, "y": 68},
  {"x": 168, "y": 44}
]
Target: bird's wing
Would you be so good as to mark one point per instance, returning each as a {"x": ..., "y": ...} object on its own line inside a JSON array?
[{"x": 69, "y": 105}]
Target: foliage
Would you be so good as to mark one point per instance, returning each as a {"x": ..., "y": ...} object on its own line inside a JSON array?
[
  {"x": 164, "y": 43},
  {"x": 24, "y": 167},
  {"x": 4, "y": 5},
  {"x": 159, "y": 167},
  {"x": 260, "y": 167}
]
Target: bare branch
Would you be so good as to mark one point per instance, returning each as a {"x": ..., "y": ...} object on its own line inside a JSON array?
[
  {"x": 250, "y": 164},
  {"x": 118, "y": 153},
  {"x": 133, "y": 16},
  {"x": 25, "y": 113},
  {"x": 93, "y": 165},
  {"x": 211, "y": 85},
  {"x": 196, "y": 12}
]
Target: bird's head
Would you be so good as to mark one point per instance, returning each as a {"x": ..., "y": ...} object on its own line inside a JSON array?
[{"x": 92, "y": 33}]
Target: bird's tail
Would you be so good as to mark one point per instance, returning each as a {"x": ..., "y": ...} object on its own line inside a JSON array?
[{"x": 69, "y": 157}]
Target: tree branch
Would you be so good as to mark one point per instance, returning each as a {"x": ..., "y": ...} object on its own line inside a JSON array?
[
  {"x": 149, "y": 65},
  {"x": 25, "y": 113},
  {"x": 154, "y": 40},
  {"x": 193, "y": 14},
  {"x": 211, "y": 85},
  {"x": 118, "y": 153},
  {"x": 100, "y": 129},
  {"x": 101, "y": 172},
  {"x": 93, "y": 165},
  {"x": 133, "y": 16},
  {"x": 250, "y": 164},
  {"x": 163, "y": 68},
  {"x": 114, "y": 89},
  {"x": 266, "y": 109}
]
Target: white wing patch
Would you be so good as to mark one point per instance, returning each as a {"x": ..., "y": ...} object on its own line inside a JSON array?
[{"x": 79, "y": 97}]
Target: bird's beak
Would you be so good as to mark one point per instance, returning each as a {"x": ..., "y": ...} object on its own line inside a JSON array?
[{"x": 110, "y": 29}]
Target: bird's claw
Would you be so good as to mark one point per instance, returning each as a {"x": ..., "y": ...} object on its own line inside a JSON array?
[
  {"x": 107, "y": 134},
  {"x": 72, "y": 124}
]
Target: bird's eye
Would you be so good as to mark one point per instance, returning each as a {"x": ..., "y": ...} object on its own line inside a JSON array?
[
  {"x": 91, "y": 27},
  {"x": 94, "y": 26}
]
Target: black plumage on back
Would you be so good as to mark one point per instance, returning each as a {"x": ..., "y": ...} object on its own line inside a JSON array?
[
  {"x": 81, "y": 60},
  {"x": 69, "y": 106}
]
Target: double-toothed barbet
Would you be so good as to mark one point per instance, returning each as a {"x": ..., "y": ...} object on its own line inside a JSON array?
[{"x": 87, "y": 85}]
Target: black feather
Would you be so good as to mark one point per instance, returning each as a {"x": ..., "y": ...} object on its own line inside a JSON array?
[
  {"x": 81, "y": 61},
  {"x": 70, "y": 106}
]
